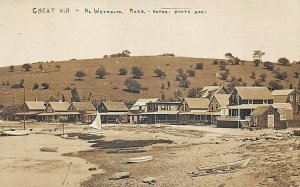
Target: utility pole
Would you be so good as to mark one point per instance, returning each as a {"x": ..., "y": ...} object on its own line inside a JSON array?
[
  {"x": 238, "y": 101},
  {"x": 24, "y": 110}
]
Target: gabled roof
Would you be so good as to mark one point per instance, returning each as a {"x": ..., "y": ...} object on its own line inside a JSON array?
[
  {"x": 261, "y": 109},
  {"x": 223, "y": 99},
  {"x": 254, "y": 93},
  {"x": 143, "y": 102},
  {"x": 84, "y": 106},
  {"x": 282, "y": 92},
  {"x": 35, "y": 105},
  {"x": 195, "y": 103},
  {"x": 59, "y": 106},
  {"x": 115, "y": 106}
]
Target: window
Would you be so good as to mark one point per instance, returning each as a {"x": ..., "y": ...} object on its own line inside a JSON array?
[
  {"x": 297, "y": 98},
  {"x": 291, "y": 98},
  {"x": 217, "y": 106},
  {"x": 250, "y": 101},
  {"x": 265, "y": 101}
]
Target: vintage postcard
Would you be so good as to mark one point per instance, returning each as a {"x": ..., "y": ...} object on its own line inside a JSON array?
[{"x": 149, "y": 93}]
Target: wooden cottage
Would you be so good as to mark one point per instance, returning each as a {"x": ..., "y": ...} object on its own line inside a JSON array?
[
  {"x": 140, "y": 106},
  {"x": 162, "y": 112},
  {"x": 31, "y": 109},
  {"x": 195, "y": 110},
  {"x": 267, "y": 117},
  {"x": 113, "y": 112},
  {"x": 58, "y": 112},
  {"x": 218, "y": 105},
  {"x": 291, "y": 96},
  {"x": 86, "y": 109}
]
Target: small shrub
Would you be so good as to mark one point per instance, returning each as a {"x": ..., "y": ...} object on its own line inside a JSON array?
[
  {"x": 199, "y": 65},
  {"x": 224, "y": 75},
  {"x": 137, "y": 72},
  {"x": 191, "y": 73},
  {"x": 263, "y": 77},
  {"x": 45, "y": 85},
  {"x": 101, "y": 72},
  {"x": 275, "y": 85},
  {"x": 160, "y": 73},
  {"x": 123, "y": 71},
  {"x": 79, "y": 75},
  {"x": 215, "y": 62},
  {"x": 68, "y": 88},
  {"x": 253, "y": 75},
  {"x": 35, "y": 86},
  {"x": 26, "y": 67}
]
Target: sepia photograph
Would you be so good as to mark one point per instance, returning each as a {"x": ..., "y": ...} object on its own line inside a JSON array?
[{"x": 125, "y": 93}]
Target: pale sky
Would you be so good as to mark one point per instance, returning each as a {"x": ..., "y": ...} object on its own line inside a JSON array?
[{"x": 236, "y": 26}]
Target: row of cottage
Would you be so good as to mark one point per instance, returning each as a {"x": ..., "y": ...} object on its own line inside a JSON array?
[{"x": 254, "y": 106}]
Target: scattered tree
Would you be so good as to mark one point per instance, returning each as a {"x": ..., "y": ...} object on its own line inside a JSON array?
[
  {"x": 160, "y": 73},
  {"x": 253, "y": 75},
  {"x": 19, "y": 85},
  {"x": 74, "y": 95},
  {"x": 222, "y": 66},
  {"x": 79, "y": 75},
  {"x": 280, "y": 75},
  {"x": 291, "y": 86},
  {"x": 101, "y": 72},
  {"x": 269, "y": 65},
  {"x": 45, "y": 85},
  {"x": 193, "y": 92},
  {"x": 123, "y": 71},
  {"x": 137, "y": 72},
  {"x": 283, "y": 61},
  {"x": 169, "y": 84},
  {"x": 162, "y": 86},
  {"x": 215, "y": 62},
  {"x": 275, "y": 85},
  {"x": 257, "y": 55},
  {"x": 177, "y": 95},
  {"x": 199, "y": 65},
  {"x": 26, "y": 67},
  {"x": 233, "y": 78},
  {"x": 11, "y": 68},
  {"x": 63, "y": 99},
  {"x": 233, "y": 84},
  {"x": 132, "y": 85},
  {"x": 224, "y": 75},
  {"x": 41, "y": 67},
  {"x": 296, "y": 74},
  {"x": 228, "y": 56},
  {"x": 257, "y": 82},
  {"x": 256, "y": 62},
  {"x": 191, "y": 73},
  {"x": 58, "y": 67},
  {"x": 35, "y": 86},
  {"x": 185, "y": 83},
  {"x": 263, "y": 77}
]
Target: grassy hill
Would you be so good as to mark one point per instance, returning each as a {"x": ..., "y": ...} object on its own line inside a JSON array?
[{"x": 112, "y": 86}]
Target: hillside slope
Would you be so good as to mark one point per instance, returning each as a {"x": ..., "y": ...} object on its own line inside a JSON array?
[{"x": 111, "y": 87}]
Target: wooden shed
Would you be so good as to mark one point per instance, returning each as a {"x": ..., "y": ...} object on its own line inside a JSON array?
[{"x": 267, "y": 117}]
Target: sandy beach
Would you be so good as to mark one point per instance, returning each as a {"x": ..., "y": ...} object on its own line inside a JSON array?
[{"x": 176, "y": 152}]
